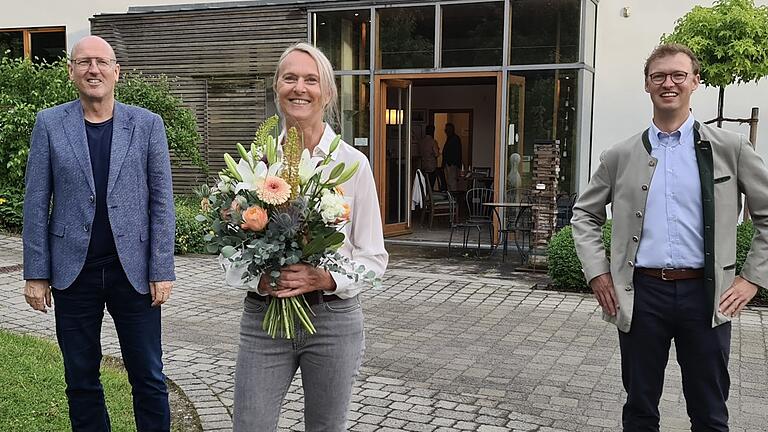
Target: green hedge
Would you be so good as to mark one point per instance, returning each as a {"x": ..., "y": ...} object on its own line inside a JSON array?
[
  {"x": 26, "y": 88},
  {"x": 565, "y": 267},
  {"x": 189, "y": 232},
  {"x": 11, "y": 209}
]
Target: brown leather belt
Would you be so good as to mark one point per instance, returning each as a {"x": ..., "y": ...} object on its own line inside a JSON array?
[
  {"x": 313, "y": 297},
  {"x": 672, "y": 274}
]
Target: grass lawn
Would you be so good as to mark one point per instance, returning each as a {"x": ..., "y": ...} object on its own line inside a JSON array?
[{"x": 32, "y": 388}]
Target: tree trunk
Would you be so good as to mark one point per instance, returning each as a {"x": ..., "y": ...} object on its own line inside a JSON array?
[{"x": 720, "y": 96}]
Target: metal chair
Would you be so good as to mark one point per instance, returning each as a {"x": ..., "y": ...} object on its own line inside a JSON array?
[
  {"x": 516, "y": 221},
  {"x": 437, "y": 204},
  {"x": 565, "y": 204},
  {"x": 523, "y": 230},
  {"x": 479, "y": 216}
]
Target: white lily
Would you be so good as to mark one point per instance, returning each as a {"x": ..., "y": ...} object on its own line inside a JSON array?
[
  {"x": 308, "y": 166},
  {"x": 253, "y": 178},
  {"x": 248, "y": 175}
]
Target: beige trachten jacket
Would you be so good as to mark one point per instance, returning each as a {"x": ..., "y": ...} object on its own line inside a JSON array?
[{"x": 728, "y": 166}]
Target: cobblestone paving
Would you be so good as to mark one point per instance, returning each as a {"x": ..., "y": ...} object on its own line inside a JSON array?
[{"x": 450, "y": 347}]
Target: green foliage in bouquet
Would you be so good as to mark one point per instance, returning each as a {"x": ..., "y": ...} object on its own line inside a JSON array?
[{"x": 276, "y": 208}]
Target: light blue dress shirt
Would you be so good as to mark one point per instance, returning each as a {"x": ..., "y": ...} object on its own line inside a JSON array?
[{"x": 673, "y": 228}]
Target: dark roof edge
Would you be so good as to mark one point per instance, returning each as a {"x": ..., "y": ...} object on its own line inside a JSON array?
[{"x": 189, "y": 7}]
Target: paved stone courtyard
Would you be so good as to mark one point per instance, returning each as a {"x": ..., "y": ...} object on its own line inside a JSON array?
[{"x": 451, "y": 346}]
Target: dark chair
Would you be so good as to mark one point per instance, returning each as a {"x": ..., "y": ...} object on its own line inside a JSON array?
[
  {"x": 437, "y": 204},
  {"x": 481, "y": 177},
  {"x": 516, "y": 221},
  {"x": 518, "y": 195},
  {"x": 522, "y": 228},
  {"x": 565, "y": 204},
  {"x": 479, "y": 216}
]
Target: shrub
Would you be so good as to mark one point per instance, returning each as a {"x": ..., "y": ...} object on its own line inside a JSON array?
[
  {"x": 189, "y": 232},
  {"x": 744, "y": 233},
  {"x": 154, "y": 94},
  {"x": 564, "y": 265},
  {"x": 11, "y": 209},
  {"x": 26, "y": 88}
]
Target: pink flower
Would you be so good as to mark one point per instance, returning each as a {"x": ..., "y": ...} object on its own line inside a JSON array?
[
  {"x": 274, "y": 191},
  {"x": 254, "y": 218}
]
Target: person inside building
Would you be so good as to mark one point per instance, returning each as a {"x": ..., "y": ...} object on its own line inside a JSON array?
[{"x": 451, "y": 157}]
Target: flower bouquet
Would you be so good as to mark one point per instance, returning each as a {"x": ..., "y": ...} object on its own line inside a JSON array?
[{"x": 275, "y": 207}]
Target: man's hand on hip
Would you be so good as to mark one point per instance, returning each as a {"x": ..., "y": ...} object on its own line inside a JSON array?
[
  {"x": 605, "y": 293},
  {"x": 737, "y": 296},
  {"x": 161, "y": 292},
  {"x": 37, "y": 293}
]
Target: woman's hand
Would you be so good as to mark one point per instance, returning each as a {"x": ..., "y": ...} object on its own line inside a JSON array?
[{"x": 297, "y": 279}]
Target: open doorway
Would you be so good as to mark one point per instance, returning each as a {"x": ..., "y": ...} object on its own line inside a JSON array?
[{"x": 472, "y": 104}]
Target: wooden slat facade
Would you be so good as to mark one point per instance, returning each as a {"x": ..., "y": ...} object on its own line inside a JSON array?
[{"x": 222, "y": 60}]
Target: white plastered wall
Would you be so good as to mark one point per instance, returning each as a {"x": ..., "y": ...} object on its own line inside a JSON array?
[{"x": 621, "y": 106}]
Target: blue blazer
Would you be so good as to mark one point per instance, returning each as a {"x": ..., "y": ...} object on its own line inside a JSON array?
[{"x": 58, "y": 202}]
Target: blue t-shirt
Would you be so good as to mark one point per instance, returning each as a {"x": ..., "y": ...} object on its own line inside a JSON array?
[{"x": 102, "y": 249}]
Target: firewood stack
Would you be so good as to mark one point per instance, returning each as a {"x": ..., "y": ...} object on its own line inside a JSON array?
[{"x": 546, "y": 170}]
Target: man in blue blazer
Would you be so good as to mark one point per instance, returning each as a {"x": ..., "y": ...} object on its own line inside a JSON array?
[{"x": 99, "y": 229}]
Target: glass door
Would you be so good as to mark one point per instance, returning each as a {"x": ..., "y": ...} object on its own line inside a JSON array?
[{"x": 394, "y": 155}]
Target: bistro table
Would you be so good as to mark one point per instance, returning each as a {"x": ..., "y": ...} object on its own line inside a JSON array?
[{"x": 518, "y": 225}]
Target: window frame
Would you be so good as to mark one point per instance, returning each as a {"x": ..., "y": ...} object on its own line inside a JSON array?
[{"x": 27, "y": 36}]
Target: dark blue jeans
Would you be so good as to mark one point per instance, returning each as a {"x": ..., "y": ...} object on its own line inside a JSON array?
[
  {"x": 79, "y": 313},
  {"x": 679, "y": 310}
]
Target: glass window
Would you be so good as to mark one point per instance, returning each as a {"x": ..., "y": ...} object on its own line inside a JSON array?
[
  {"x": 473, "y": 34},
  {"x": 406, "y": 38},
  {"x": 542, "y": 106},
  {"x": 344, "y": 38},
  {"x": 354, "y": 111},
  {"x": 544, "y": 31},
  {"x": 48, "y": 46},
  {"x": 590, "y": 27},
  {"x": 11, "y": 44}
]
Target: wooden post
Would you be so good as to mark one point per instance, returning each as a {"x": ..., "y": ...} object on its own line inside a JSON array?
[
  {"x": 752, "y": 140},
  {"x": 753, "y": 126}
]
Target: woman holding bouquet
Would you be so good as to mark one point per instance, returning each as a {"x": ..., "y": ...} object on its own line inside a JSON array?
[{"x": 306, "y": 96}]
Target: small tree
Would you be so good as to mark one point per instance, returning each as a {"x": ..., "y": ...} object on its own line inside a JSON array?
[{"x": 731, "y": 41}]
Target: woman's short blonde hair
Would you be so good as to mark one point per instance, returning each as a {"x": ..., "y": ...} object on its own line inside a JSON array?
[{"x": 327, "y": 80}]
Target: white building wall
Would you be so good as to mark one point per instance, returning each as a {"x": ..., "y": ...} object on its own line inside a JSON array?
[{"x": 621, "y": 106}]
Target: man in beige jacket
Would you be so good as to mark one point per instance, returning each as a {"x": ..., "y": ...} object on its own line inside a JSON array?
[{"x": 674, "y": 191}]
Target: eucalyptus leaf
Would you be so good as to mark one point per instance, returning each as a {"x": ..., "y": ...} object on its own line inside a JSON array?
[{"x": 228, "y": 251}]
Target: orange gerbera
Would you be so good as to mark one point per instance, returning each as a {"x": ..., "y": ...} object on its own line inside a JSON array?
[
  {"x": 254, "y": 218},
  {"x": 274, "y": 191}
]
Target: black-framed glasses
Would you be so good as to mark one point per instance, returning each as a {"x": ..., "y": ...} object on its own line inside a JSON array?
[
  {"x": 658, "y": 78},
  {"x": 102, "y": 63}
]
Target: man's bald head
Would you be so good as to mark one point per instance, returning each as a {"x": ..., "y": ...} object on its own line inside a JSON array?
[{"x": 91, "y": 42}]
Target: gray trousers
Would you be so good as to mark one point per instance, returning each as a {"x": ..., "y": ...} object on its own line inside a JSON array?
[{"x": 329, "y": 361}]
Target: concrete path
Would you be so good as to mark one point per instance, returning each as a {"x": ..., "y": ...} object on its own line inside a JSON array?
[{"x": 451, "y": 346}]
